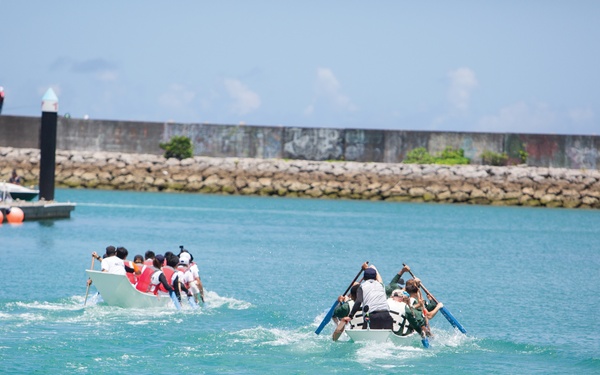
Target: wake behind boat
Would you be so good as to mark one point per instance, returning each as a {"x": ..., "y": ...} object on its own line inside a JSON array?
[
  {"x": 383, "y": 335},
  {"x": 117, "y": 290}
]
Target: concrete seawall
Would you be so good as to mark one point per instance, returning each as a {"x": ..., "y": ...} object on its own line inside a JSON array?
[
  {"x": 277, "y": 142},
  {"x": 475, "y": 184}
]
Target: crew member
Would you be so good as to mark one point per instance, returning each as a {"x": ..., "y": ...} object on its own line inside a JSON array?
[{"x": 371, "y": 297}]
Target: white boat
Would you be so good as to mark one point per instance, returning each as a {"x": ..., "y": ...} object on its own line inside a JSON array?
[
  {"x": 383, "y": 335},
  {"x": 117, "y": 290},
  {"x": 8, "y": 190}
]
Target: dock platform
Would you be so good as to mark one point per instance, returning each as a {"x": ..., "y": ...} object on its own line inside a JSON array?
[{"x": 40, "y": 210}]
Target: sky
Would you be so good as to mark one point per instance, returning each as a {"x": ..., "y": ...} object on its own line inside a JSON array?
[{"x": 479, "y": 66}]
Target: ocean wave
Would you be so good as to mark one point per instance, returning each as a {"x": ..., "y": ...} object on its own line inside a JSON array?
[{"x": 215, "y": 301}]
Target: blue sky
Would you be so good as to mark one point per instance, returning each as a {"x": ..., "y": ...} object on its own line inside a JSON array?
[{"x": 502, "y": 66}]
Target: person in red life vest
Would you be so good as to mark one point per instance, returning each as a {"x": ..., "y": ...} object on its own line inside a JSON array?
[
  {"x": 158, "y": 281},
  {"x": 1, "y": 98},
  {"x": 149, "y": 255},
  {"x": 168, "y": 271},
  {"x": 143, "y": 279}
]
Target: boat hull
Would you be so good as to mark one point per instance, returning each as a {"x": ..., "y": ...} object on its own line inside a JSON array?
[
  {"x": 117, "y": 290},
  {"x": 17, "y": 191},
  {"x": 383, "y": 335}
]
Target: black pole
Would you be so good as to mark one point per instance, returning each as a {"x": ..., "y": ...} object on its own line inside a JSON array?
[{"x": 48, "y": 145}]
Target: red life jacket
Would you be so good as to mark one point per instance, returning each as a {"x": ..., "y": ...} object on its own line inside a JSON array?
[
  {"x": 143, "y": 280},
  {"x": 168, "y": 271},
  {"x": 148, "y": 262},
  {"x": 131, "y": 276}
]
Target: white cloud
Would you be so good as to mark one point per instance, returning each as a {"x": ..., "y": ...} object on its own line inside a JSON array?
[
  {"x": 244, "y": 99},
  {"x": 328, "y": 88},
  {"x": 176, "y": 97},
  {"x": 521, "y": 118},
  {"x": 462, "y": 83}
]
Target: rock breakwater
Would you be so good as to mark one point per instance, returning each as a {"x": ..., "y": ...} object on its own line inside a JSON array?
[{"x": 475, "y": 184}]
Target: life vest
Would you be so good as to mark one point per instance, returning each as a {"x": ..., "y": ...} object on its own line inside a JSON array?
[
  {"x": 397, "y": 311},
  {"x": 131, "y": 276},
  {"x": 144, "y": 280},
  {"x": 168, "y": 271},
  {"x": 148, "y": 262},
  {"x": 155, "y": 283},
  {"x": 357, "y": 321}
]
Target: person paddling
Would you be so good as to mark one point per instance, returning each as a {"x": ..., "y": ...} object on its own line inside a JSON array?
[
  {"x": 110, "y": 262},
  {"x": 158, "y": 282},
  {"x": 398, "y": 303},
  {"x": 371, "y": 297},
  {"x": 346, "y": 303},
  {"x": 197, "y": 288}
]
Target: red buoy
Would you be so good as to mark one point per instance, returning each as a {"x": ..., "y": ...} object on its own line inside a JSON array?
[
  {"x": 15, "y": 215},
  {"x": 1, "y": 217}
]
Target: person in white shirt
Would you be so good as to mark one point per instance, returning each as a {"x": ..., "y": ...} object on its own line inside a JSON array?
[
  {"x": 196, "y": 287},
  {"x": 111, "y": 263}
]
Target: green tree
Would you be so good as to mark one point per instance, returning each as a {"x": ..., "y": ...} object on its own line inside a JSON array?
[{"x": 179, "y": 147}]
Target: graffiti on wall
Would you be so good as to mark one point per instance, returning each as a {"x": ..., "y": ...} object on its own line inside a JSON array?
[
  {"x": 582, "y": 157},
  {"x": 313, "y": 144}
]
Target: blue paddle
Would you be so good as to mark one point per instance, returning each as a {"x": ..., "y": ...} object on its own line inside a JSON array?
[
  {"x": 447, "y": 314},
  {"x": 327, "y": 317}
]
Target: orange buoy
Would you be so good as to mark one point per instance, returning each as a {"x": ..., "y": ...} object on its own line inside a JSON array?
[
  {"x": 15, "y": 215},
  {"x": 1, "y": 217}
]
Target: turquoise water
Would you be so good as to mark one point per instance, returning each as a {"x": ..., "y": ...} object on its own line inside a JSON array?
[{"x": 523, "y": 282}]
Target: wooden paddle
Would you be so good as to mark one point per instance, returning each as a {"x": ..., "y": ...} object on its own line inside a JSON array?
[
  {"x": 447, "y": 314},
  {"x": 88, "y": 284},
  {"x": 327, "y": 317}
]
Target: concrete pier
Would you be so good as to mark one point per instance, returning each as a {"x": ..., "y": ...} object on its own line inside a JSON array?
[{"x": 40, "y": 210}]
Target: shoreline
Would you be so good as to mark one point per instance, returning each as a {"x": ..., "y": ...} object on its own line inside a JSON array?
[{"x": 396, "y": 182}]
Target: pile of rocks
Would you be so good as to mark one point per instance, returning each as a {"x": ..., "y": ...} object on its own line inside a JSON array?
[{"x": 514, "y": 185}]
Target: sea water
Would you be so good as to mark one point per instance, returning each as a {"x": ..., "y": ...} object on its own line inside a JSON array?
[{"x": 524, "y": 282}]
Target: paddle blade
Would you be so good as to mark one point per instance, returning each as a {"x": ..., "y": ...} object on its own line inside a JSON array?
[
  {"x": 327, "y": 318},
  {"x": 192, "y": 302},
  {"x": 425, "y": 342},
  {"x": 452, "y": 320}
]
